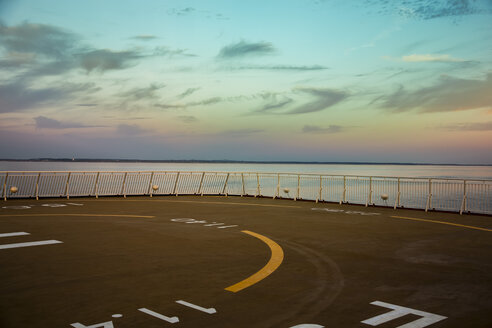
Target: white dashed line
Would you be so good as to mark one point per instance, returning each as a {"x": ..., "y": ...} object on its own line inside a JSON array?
[
  {"x": 29, "y": 244},
  {"x": 229, "y": 226},
  {"x": 14, "y": 234}
]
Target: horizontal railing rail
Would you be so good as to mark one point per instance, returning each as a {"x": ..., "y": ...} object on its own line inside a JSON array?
[{"x": 441, "y": 194}]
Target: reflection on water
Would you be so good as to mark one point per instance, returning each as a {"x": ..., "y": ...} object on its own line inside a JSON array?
[{"x": 436, "y": 171}]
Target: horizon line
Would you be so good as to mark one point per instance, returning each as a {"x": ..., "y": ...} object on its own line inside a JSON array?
[{"x": 223, "y": 161}]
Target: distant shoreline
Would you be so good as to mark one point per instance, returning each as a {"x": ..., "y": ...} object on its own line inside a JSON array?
[{"x": 100, "y": 160}]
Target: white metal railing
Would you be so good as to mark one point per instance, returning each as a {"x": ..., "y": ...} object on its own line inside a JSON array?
[{"x": 469, "y": 196}]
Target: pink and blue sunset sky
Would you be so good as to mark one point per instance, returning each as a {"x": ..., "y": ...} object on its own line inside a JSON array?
[{"x": 300, "y": 80}]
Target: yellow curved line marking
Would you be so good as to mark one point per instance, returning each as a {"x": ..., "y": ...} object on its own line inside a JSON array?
[
  {"x": 442, "y": 222},
  {"x": 107, "y": 215},
  {"x": 272, "y": 265}
]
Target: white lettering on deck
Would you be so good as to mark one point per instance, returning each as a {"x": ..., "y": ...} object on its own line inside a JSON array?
[
  {"x": 400, "y": 311},
  {"x": 159, "y": 316},
  {"x": 108, "y": 324},
  {"x": 196, "y": 307}
]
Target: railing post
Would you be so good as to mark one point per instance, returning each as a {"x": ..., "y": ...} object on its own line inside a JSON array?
[
  {"x": 320, "y": 189},
  {"x": 397, "y": 200},
  {"x": 4, "y": 192},
  {"x": 258, "y": 190},
  {"x": 37, "y": 186},
  {"x": 463, "y": 202},
  {"x": 151, "y": 191},
  {"x": 66, "y": 187},
  {"x": 369, "y": 197},
  {"x": 96, "y": 185},
  {"x": 277, "y": 193},
  {"x": 200, "y": 191},
  {"x": 242, "y": 184},
  {"x": 225, "y": 185},
  {"x": 429, "y": 197},
  {"x": 176, "y": 184},
  {"x": 298, "y": 186},
  {"x": 344, "y": 190},
  {"x": 123, "y": 186}
]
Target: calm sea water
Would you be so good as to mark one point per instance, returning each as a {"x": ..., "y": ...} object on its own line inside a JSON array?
[{"x": 434, "y": 171}]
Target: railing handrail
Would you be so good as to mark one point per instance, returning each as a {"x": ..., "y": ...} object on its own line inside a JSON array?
[{"x": 274, "y": 174}]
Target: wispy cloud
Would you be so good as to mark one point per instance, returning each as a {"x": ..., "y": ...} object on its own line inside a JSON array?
[
  {"x": 430, "y": 9},
  {"x": 324, "y": 98},
  {"x": 429, "y": 58},
  {"x": 204, "y": 102},
  {"x": 181, "y": 11},
  {"x": 276, "y": 104},
  {"x": 43, "y": 122},
  {"x": 13, "y": 60},
  {"x": 37, "y": 50},
  {"x": 246, "y": 49},
  {"x": 86, "y": 105},
  {"x": 448, "y": 94},
  {"x": 415, "y": 58},
  {"x": 279, "y": 67},
  {"x": 170, "y": 52},
  {"x": 137, "y": 94},
  {"x": 319, "y": 129},
  {"x": 273, "y": 102},
  {"x": 240, "y": 132},
  {"x": 187, "y": 92},
  {"x": 187, "y": 118},
  {"x": 38, "y": 39},
  {"x": 20, "y": 95},
  {"x": 144, "y": 37},
  {"x": 105, "y": 59},
  {"x": 473, "y": 126},
  {"x": 169, "y": 106},
  {"x": 17, "y": 96},
  {"x": 208, "y": 101},
  {"x": 186, "y": 11}
]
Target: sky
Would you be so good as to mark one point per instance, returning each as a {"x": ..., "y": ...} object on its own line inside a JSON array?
[{"x": 271, "y": 80}]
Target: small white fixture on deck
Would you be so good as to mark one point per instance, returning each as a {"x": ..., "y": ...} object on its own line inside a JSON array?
[
  {"x": 286, "y": 191},
  {"x": 385, "y": 198},
  {"x": 13, "y": 189}
]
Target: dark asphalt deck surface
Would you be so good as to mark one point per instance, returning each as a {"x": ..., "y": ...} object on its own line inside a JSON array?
[{"x": 335, "y": 264}]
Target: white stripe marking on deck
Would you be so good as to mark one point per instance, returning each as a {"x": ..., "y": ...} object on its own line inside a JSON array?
[
  {"x": 400, "y": 311},
  {"x": 32, "y": 243},
  {"x": 230, "y": 226},
  {"x": 159, "y": 316},
  {"x": 196, "y": 307},
  {"x": 108, "y": 324},
  {"x": 212, "y": 224},
  {"x": 14, "y": 234}
]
